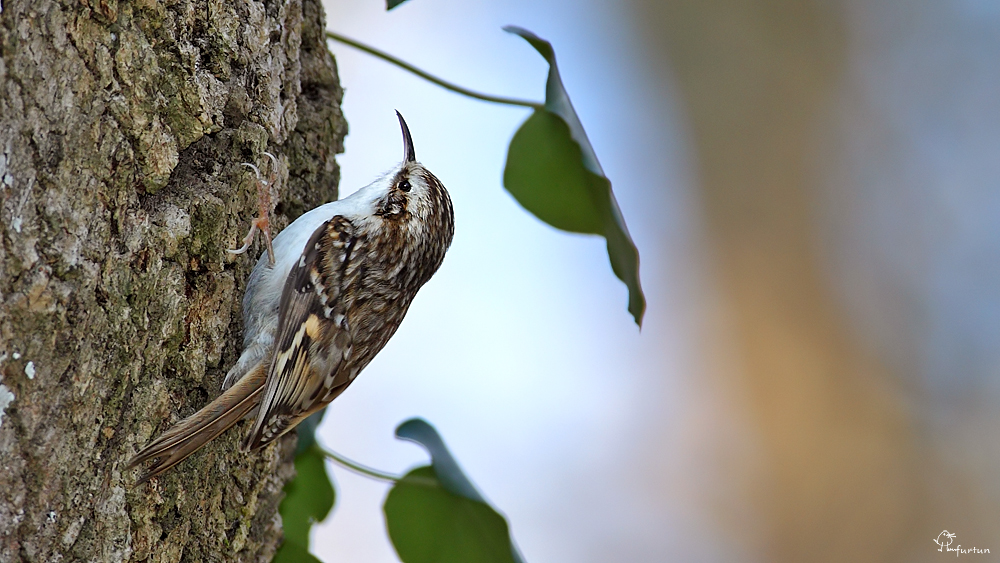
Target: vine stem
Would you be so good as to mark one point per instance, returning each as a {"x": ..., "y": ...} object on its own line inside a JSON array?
[
  {"x": 374, "y": 473},
  {"x": 430, "y": 77},
  {"x": 357, "y": 467}
]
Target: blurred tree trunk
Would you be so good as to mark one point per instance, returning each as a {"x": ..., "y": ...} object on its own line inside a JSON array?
[
  {"x": 842, "y": 477},
  {"x": 122, "y": 130}
]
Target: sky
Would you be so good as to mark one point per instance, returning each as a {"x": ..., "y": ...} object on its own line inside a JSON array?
[
  {"x": 601, "y": 442},
  {"x": 520, "y": 351}
]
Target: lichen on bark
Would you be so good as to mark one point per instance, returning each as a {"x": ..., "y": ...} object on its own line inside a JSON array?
[{"x": 122, "y": 130}]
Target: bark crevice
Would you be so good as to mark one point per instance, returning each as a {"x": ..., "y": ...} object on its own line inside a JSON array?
[{"x": 122, "y": 130}]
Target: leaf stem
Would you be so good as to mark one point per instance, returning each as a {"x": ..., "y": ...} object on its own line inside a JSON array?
[
  {"x": 429, "y": 77},
  {"x": 357, "y": 467}
]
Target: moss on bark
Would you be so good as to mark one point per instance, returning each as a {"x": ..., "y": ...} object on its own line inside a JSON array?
[{"x": 122, "y": 130}]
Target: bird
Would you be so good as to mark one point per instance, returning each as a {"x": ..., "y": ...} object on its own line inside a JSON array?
[
  {"x": 318, "y": 310},
  {"x": 945, "y": 539}
]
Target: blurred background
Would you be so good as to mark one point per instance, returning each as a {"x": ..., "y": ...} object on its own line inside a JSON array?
[{"x": 814, "y": 188}]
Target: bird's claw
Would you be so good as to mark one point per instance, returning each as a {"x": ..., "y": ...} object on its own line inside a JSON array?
[
  {"x": 247, "y": 240},
  {"x": 255, "y": 170},
  {"x": 262, "y": 222}
]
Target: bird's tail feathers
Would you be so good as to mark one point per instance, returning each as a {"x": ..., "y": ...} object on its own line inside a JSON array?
[{"x": 190, "y": 434}]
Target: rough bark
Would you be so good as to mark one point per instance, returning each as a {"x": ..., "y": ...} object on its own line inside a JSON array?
[{"x": 122, "y": 130}]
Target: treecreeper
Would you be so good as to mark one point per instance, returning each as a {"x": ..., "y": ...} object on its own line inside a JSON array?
[{"x": 316, "y": 312}]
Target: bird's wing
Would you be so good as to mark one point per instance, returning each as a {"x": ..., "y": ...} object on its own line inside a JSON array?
[{"x": 313, "y": 339}]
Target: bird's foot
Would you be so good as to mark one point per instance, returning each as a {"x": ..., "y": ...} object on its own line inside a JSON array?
[{"x": 266, "y": 200}]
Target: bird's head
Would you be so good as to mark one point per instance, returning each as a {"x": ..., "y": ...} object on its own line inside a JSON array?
[
  {"x": 412, "y": 195},
  {"x": 411, "y": 209}
]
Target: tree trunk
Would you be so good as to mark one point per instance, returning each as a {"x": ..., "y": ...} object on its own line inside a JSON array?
[{"x": 123, "y": 127}]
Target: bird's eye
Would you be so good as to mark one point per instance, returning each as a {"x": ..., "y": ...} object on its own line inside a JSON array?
[{"x": 404, "y": 185}]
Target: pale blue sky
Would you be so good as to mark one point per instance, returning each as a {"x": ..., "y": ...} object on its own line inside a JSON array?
[
  {"x": 601, "y": 443},
  {"x": 521, "y": 351}
]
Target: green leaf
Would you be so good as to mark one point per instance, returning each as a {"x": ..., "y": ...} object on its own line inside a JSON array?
[
  {"x": 294, "y": 553},
  {"x": 553, "y": 171},
  {"x": 434, "y": 514},
  {"x": 429, "y": 524},
  {"x": 390, "y": 4},
  {"x": 308, "y": 498},
  {"x": 545, "y": 174},
  {"x": 306, "y": 431},
  {"x": 448, "y": 472}
]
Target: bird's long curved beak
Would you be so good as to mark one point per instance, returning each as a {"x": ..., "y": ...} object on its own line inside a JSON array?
[{"x": 409, "y": 155}]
